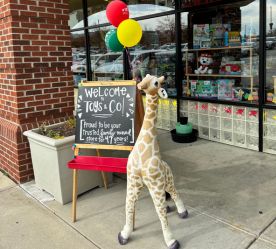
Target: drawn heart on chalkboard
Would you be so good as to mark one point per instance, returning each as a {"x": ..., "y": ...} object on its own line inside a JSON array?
[{"x": 162, "y": 93}]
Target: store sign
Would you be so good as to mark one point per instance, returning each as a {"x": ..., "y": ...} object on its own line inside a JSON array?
[{"x": 105, "y": 113}]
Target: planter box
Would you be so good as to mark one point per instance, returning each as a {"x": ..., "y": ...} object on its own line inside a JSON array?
[{"x": 50, "y": 158}]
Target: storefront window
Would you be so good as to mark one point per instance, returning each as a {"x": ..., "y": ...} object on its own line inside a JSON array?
[
  {"x": 76, "y": 13},
  {"x": 155, "y": 54},
  {"x": 78, "y": 57},
  {"x": 222, "y": 59},
  {"x": 271, "y": 52},
  {"x": 105, "y": 64}
]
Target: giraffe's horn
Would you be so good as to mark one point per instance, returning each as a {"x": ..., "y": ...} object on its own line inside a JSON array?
[
  {"x": 161, "y": 79},
  {"x": 142, "y": 85}
]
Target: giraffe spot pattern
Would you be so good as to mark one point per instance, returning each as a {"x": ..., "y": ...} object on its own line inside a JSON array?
[{"x": 145, "y": 167}]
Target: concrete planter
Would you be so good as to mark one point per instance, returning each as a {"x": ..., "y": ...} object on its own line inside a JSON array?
[{"x": 49, "y": 158}]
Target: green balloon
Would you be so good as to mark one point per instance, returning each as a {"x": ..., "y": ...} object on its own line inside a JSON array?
[{"x": 112, "y": 42}]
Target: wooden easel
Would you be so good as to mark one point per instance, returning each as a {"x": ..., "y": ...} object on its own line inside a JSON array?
[
  {"x": 87, "y": 167},
  {"x": 139, "y": 115}
]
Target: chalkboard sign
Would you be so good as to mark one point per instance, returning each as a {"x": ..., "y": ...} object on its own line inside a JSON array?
[{"x": 105, "y": 113}]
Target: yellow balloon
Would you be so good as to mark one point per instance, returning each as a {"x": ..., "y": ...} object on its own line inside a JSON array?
[{"x": 129, "y": 33}]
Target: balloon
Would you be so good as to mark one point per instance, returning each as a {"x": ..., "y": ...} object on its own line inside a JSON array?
[
  {"x": 129, "y": 33},
  {"x": 112, "y": 42},
  {"x": 116, "y": 12}
]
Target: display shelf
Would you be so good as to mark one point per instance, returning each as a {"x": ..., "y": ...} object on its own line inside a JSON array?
[
  {"x": 219, "y": 75},
  {"x": 224, "y": 72}
]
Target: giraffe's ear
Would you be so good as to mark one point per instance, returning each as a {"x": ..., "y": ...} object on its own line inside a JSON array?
[{"x": 162, "y": 93}]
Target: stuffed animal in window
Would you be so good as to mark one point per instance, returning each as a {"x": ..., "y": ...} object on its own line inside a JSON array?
[{"x": 205, "y": 61}]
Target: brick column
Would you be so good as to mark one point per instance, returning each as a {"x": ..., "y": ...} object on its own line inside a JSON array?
[{"x": 36, "y": 82}]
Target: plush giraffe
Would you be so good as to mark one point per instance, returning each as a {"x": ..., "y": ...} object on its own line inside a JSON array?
[{"x": 145, "y": 167}]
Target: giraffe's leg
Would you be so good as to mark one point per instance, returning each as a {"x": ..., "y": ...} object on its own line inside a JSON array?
[
  {"x": 159, "y": 200},
  {"x": 134, "y": 186},
  {"x": 170, "y": 188}
]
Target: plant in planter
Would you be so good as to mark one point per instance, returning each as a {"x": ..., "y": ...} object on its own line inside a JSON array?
[{"x": 51, "y": 149}]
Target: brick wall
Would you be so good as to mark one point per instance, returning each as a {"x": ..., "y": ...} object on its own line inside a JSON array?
[{"x": 36, "y": 83}]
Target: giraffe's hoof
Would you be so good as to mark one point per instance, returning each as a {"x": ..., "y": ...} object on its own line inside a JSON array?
[
  {"x": 184, "y": 214},
  {"x": 121, "y": 240},
  {"x": 174, "y": 245}
]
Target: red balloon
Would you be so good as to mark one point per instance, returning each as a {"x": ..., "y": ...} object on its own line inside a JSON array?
[{"x": 116, "y": 12}]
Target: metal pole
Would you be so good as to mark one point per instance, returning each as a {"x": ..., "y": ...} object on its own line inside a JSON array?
[
  {"x": 262, "y": 70},
  {"x": 179, "y": 64}
]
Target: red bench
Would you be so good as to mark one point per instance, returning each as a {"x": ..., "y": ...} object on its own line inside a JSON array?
[{"x": 106, "y": 164}]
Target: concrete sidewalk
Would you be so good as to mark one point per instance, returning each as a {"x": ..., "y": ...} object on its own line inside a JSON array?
[{"x": 230, "y": 193}]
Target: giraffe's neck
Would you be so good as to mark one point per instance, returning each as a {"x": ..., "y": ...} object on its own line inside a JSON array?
[{"x": 151, "y": 109}]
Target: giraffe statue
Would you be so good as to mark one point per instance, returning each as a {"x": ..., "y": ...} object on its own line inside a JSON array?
[{"x": 145, "y": 167}]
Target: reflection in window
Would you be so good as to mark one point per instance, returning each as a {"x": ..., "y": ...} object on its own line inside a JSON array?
[
  {"x": 222, "y": 59},
  {"x": 76, "y": 13},
  {"x": 78, "y": 56},
  {"x": 155, "y": 54},
  {"x": 105, "y": 64},
  {"x": 271, "y": 52},
  {"x": 96, "y": 10}
]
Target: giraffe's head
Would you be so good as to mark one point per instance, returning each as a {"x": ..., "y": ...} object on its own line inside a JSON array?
[{"x": 152, "y": 85}]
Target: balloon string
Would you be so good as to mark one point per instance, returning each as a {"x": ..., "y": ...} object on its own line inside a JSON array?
[{"x": 129, "y": 61}]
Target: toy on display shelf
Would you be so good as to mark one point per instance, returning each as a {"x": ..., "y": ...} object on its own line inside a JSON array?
[
  {"x": 245, "y": 94},
  {"x": 201, "y": 35},
  {"x": 229, "y": 66},
  {"x": 185, "y": 88},
  {"x": 217, "y": 32},
  {"x": 270, "y": 97},
  {"x": 205, "y": 60},
  {"x": 204, "y": 88},
  {"x": 225, "y": 89},
  {"x": 234, "y": 38}
]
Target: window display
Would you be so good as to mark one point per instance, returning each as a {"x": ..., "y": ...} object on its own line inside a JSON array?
[
  {"x": 220, "y": 63},
  {"x": 271, "y": 52},
  {"x": 220, "y": 53}
]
